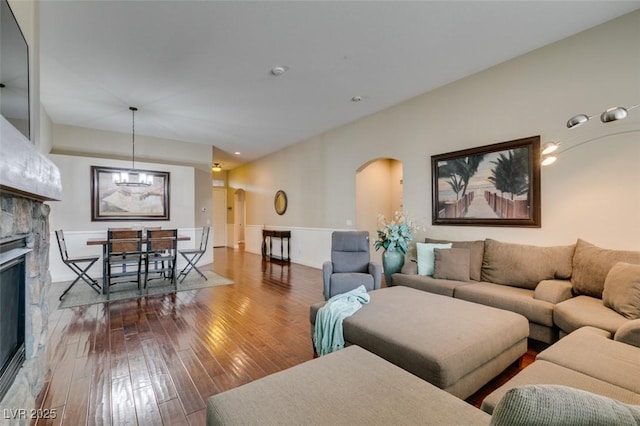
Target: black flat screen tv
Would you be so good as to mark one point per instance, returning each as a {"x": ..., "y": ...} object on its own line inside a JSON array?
[{"x": 14, "y": 71}]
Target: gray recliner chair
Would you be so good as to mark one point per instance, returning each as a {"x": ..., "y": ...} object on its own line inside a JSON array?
[{"x": 350, "y": 265}]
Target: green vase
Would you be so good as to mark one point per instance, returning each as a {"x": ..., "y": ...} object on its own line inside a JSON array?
[{"x": 392, "y": 261}]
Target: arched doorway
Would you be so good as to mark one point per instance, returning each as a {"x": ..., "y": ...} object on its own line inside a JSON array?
[{"x": 378, "y": 191}]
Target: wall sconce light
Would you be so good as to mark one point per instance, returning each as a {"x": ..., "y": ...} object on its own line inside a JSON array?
[
  {"x": 216, "y": 167},
  {"x": 612, "y": 114}
]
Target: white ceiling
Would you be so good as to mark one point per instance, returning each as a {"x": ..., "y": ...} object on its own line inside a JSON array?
[{"x": 199, "y": 70}]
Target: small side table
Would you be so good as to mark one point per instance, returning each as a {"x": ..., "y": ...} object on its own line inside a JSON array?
[{"x": 267, "y": 249}]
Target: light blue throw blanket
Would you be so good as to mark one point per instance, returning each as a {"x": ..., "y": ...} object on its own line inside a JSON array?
[{"x": 328, "y": 335}]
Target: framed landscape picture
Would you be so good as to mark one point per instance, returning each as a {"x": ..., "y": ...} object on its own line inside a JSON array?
[
  {"x": 493, "y": 185},
  {"x": 111, "y": 202}
]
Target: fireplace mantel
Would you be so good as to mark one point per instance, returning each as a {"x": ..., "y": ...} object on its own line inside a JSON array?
[{"x": 24, "y": 170}]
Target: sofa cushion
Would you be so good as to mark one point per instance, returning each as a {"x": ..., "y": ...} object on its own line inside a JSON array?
[
  {"x": 544, "y": 372},
  {"x": 591, "y": 264},
  {"x": 519, "y": 300},
  {"x": 622, "y": 290},
  {"x": 582, "y": 311},
  {"x": 553, "y": 291},
  {"x": 591, "y": 353},
  {"x": 428, "y": 284},
  {"x": 347, "y": 281},
  {"x": 561, "y": 405},
  {"x": 410, "y": 267},
  {"x": 629, "y": 333},
  {"x": 524, "y": 266},
  {"x": 451, "y": 264},
  {"x": 426, "y": 257},
  {"x": 476, "y": 254}
]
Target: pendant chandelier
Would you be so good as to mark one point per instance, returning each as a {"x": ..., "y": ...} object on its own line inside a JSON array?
[{"x": 132, "y": 177}]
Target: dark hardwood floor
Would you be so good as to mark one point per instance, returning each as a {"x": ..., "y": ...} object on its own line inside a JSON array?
[{"x": 155, "y": 360}]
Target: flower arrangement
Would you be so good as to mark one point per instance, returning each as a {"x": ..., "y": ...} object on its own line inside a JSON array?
[{"x": 394, "y": 234}]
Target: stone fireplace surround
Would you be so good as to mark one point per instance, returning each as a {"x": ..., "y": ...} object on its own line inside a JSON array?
[
  {"x": 21, "y": 216},
  {"x": 27, "y": 180}
]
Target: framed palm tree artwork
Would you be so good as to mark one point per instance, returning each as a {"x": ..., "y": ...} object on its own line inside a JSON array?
[{"x": 492, "y": 185}]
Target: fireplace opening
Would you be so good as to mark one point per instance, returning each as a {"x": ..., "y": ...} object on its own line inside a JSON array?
[{"x": 12, "y": 309}]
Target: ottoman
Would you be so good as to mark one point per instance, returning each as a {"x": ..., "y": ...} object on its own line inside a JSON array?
[
  {"x": 348, "y": 387},
  {"x": 456, "y": 345}
]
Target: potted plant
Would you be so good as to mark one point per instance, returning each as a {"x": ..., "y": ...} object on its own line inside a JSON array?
[{"x": 394, "y": 237}]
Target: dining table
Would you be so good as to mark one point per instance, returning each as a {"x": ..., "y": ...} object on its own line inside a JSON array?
[{"x": 102, "y": 241}]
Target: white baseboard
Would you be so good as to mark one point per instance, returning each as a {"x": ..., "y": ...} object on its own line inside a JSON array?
[{"x": 309, "y": 246}]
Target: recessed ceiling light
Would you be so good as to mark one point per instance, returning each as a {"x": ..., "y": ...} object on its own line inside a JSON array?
[
  {"x": 356, "y": 99},
  {"x": 279, "y": 70}
]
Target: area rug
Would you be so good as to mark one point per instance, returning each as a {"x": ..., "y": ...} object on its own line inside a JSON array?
[{"x": 81, "y": 294}]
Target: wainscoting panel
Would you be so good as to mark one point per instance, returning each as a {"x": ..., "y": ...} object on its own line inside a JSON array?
[{"x": 309, "y": 246}]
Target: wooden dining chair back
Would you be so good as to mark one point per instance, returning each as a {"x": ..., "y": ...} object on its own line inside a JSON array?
[
  {"x": 79, "y": 265},
  {"x": 192, "y": 256},
  {"x": 124, "y": 258},
  {"x": 161, "y": 255}
]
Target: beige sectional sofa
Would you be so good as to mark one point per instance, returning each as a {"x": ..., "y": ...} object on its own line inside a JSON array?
[
  {"x": 558, "y": 289},
  {"x": 593, "y": 267},
  {"x": 588, "y": 359},
  {"x": 587, "y": 295}
]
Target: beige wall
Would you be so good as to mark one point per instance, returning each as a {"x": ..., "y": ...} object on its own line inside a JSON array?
[
  {"x": 202, "y": 192},
  {"x": 591, "y": 192},
  {"x": 73, "y": 213},
  {"x": 46, "y": 132},
  {"x": 72, "y": 140}
]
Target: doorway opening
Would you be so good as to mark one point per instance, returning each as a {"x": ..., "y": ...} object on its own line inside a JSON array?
[
  {"x": 239, "y": 217},
  {"x": 219, "y": 217},
  {"x": 378, "y": 191}
]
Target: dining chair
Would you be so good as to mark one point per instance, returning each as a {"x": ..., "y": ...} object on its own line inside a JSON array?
[
  {"x": 124, "y": 258},
  {"x": 192, "y": 256},
  {"x": 74, "y": 263},
  {"x": 161, "y": 255}
]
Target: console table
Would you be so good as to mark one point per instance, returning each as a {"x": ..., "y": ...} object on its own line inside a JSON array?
[{"x": 267, "y": 249}]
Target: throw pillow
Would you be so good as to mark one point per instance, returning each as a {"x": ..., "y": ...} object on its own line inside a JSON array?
[
  {"x": 561, "y": 405},
  {"x": 622, "y": 290},
  {"x": 591, "y": 264},
  {"x": 426, "y": 259},
  {"x": 452, "y": 264},
  {"x": 476, "y": 254}
]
